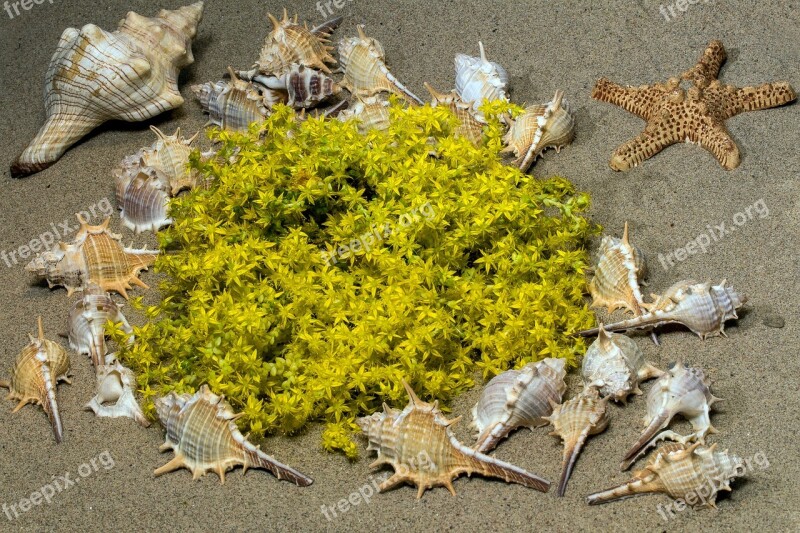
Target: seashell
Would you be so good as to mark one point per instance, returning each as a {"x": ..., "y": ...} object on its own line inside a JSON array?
[
  {"x": 701, "y": 307},
  {"x": 540, "y": 127},
  {"x": 94, "y": 256},
  {"x": 615, "y": 364},
  {"x": 87, "y": 322},
  {"x": 418, "y": 444},
  {"x": 574, "y": 421},
  {"x": 305, "y": 87},
  {"x": 682, "y": 472},
  {"x": 169, "y": 154},
  {"x": 478, "y": 79},
  {"x": 372, "y": 113},
  {"x": 201, "y": 431},
  {"x": 517, "y": 398},
  {"x": 365, "y": 72},
  {"x": 234, "y": 105},
  {"x": 681, "y": 390},
  {"x": 145, "y": 202},
  {"x": 95, "y": 76},
  {"x": 37, "y": 371},
  {"x": 289, "y": 43},
  {"x": 620, "y": 268},
  {"x": 470, "y": 128},
  {"x": 115, "y": 397}
]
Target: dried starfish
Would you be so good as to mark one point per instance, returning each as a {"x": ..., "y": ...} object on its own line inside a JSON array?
[{"x": 697, "y": 114}]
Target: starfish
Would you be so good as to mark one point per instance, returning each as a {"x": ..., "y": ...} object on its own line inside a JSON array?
[{"x": 695, "y": 115}]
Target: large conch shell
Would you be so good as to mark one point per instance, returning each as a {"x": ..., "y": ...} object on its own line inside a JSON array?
[
  {"x": 365, "y": 70},
  {"x": 95, "y": 76},
  {"x": 87, "y": 321},
  {"x": 201, "y": 431},
  {"x": 681, "y": 390},
  {"x": 418, "y": 444},
  {"x": 290, "y": 43},
  {"x": 574, "y": 421},
  {"x": 615, "y": 364},
  {"x": 517, "y": 398},
  {"x": 372, "y": 113},
  {"x": 478, "y": 80},
  {"x": 115, "y": 392},
  {"x": 540, "y": 127},
  {"x": 94, "y": 256},
  {"x": 39, "y": 367},
  {"x": 701, "y": 307},
  {"x": 694, "y": 474},
  {"x": 469, "y": 127}
]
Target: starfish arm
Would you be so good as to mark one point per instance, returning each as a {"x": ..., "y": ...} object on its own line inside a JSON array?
[
  {"x": 655, "y": 137},
  {"x": 715, "y": 138},
  {"x": 637, "y": 100},
  {"x": 764, "y": 96},
  {"x": 707, "y": 67}
]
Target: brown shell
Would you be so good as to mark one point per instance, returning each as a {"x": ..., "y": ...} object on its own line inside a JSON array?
[
  {"x": 418, "y": 444},
  {"x": 289, "y": 43},
  {"x": 201, "y": 431},
  {"x": 470, "y": 127},
  {"x": 38, "y": 369},
  {"x": 94, "y": 256}
]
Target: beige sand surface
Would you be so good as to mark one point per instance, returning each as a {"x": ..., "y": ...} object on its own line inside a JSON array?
[{"x": 668, "y": 201}]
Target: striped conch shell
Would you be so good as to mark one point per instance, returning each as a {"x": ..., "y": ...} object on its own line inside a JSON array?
[
  {"x": 615, "y": 364},
  {"x": 540, "y": 127},
  {"x": 201, "y": 431},
  {"x": 39, "y": 367},
  {"x": 681, "y": 390},
  {"x": 115, "y": 392},
  {"x": 169, "y": 154},
  {"x": 304, "y": 87},
  {"x": 574, "y": 421},
  {"x": 145, "y": 202},
  {"x": 365, "y": 70},
  {"x": 95, "y": 76},
  {"x": 478, "y": 80},
  {"x": 87, "y": 321},
  {"x": 372, "y": 113},
  {"x": 517, "y": 398},
  {"x": 701, "y": 307},
  {"x": 94, "y": 256},
  {"x": 469, "y": 127},
  {"x": 290, "y": 43},
  {"x": 620, "y": 268},
  {"x": 418, "y": 443},
  {"x": 694, "y": 474}
]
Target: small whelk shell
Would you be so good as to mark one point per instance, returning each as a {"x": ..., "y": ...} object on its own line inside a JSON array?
[
  {"x": 371, "y": 113},
  {"x": 304, "y": 87},
  {"x": 87, "y": 321},
  {"x": 289, "y": 43},
  {"x": 615, "y": 364},
  {"x": 682, "y": 472},
  {"x": 115, "y": 392},
  {"x": 145, "y": 202},
  {"x": 620, "y": 268},
  {"x": 701, "y": 307},
  {"x": 540, "y": 127},
  {"x": 469, "y": 128},
  {"x": 574, "y": 421},
  {"x": 418, "y": 443},
  {"x": 365, "y": 72},
  {"x": 517, "y": 398},
  {"x": 39, "y": 367},
  {"x": 681, "y": 390},
  {"x": 478, "y": 80},
  {"x": 201, "y": 431},
  {"x": 94, "y": 256},
  {"x": 96, "y": 76}
]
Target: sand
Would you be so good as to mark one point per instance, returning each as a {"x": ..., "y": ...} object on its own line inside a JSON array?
[{"x": 668, "y": 201}]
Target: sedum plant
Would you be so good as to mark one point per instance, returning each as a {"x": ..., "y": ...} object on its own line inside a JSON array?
[{"x": 321, "y": 266}]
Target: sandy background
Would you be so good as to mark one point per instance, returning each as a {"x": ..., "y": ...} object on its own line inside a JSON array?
[{"x": 668, "y": 201}]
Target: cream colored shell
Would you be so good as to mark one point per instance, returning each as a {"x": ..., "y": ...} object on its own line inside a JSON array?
[
  {"x": 87, "y": 321},
  {"x": 114, "y": 397}
]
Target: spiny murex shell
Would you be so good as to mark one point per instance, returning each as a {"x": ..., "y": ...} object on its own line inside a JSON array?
[
  {"x": 701, "y": 307},
  {"x": 574, "y": 421},
  {"x": 418, "y": 444},
  {"x": 365, "y": 70},
  {"x": 115, "y": 392},
  {"x": 94, "y": 256},
  {"x": 39, "y": 367},
  {"x": 94, "y": 76},
  {"x": 615, "y": 364},
  {"x": 371, "y": 112},
  {"x": 478, "y": 79},
  {"x": 620, "y": 268},
  {"x": 289, "y": 43},
  {"x": 682, "y": 389},
  {"x": 87, "y": 321},
  {"x": 201, "y": 431},
  {"x": 469, "y": 127},
  {"x": 540, "y": 127},
  {"x": 517, "y": 398},
  {"x": 682, "y": 472}
]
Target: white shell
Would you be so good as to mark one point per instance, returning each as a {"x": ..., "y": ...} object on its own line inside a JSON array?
[
  {"x": 478, "y": 79},
  {"x": 371, "y": 113},
  {"x": 87, "y": 321},
  {"x": 145, "y": 202},
  {"x": 115, "y": 393},
  {"x": 540, "y": 127}
]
